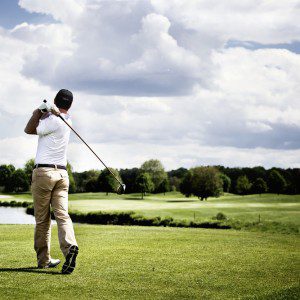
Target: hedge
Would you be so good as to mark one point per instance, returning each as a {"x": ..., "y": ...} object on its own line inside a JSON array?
[{"x": 131, "y": 218}]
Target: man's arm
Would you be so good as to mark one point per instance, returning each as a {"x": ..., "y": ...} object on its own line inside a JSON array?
[{"x": 33, "y": 122}]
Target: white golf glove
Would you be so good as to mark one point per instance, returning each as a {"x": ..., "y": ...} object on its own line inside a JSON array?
[
  {"x": 45, "y": 107},
  {"x": 48, "y": 107}
]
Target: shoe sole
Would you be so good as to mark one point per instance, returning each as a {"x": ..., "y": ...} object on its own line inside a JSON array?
[{"x": 70, "y": 262}]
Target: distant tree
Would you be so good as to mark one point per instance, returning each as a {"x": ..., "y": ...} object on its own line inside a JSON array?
[
  {"x": 186, "y": 185},
  {"x": 156, "y": 171},
  {"x": 18, "y": 182},
  {"x": 243, "y": 185},
  {"x": 293, "y": 181},
  {"x": 164, "y": 186},
  {"x": 206, "y": 182},
  {"x": 226, "y": 181},
  {"x": 81, "y": 179},
  {"x": 233, "y": 174},
  {"x": 107, "y": 182},
  {"x": 72, "y": 184},
  {"x": 175, "y": 183},
  {"x": 259, "y": 186},
  {"x": 176, "y": 178},
  {"x": 144, "y": 183},
  {"x": 92, "y": 185},
  {"x": 129, "y": 178},
  {"x": 179, "y": 173},
  {"x": 255, "y": 172},
  {"x": 202, "y": 182},
  {"x": 6, "y": 172},
  {"x": 276, "y": 182},
  {"x": 28, "y": 168}
]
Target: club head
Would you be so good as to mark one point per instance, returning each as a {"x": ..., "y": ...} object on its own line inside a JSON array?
[{"x": 121, "y": 189}]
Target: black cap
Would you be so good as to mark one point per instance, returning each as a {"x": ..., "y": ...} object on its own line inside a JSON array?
[{"x": 63, "y": 99}]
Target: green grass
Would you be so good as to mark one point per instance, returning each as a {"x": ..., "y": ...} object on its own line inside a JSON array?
[
  {"x": 284, "y": 209},
  {"x": 119, "y": 262}
]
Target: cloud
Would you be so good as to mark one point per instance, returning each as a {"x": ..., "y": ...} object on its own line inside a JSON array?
[
  {"x": 61, "y": 10},
  {"x": 150, "y": 81},
  {"x": 249, "y": 20},
  {"x": 19, "y": 149}
]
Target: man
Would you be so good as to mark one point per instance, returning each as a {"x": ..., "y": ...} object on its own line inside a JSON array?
[{"x": 50, "y": 182}]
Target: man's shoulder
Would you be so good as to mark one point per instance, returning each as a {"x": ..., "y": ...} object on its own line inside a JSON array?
[{"x": 48, "y": 116}]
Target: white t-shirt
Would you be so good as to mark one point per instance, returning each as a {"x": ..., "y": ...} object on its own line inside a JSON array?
[{"x": 53, "y": 140}]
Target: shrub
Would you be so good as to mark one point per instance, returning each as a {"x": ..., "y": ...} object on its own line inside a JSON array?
[{"x": 220, "y": 216}]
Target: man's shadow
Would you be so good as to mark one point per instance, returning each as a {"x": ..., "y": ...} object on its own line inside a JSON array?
[{"x": 30, "y": 270}]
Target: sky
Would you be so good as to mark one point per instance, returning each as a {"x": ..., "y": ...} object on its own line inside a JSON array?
[{"x": 188, "y": 82}]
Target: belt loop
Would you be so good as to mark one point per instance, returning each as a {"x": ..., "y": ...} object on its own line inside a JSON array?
[
  {"x": 37, "y": 165},
  {"x": 55, "y": 167}
]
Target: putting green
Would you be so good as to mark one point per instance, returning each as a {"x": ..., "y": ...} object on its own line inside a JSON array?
[{"x": 119, "y": 262}]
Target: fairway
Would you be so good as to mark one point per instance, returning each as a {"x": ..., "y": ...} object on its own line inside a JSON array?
[
  {"x": 270, "y": 207},
  {"x": 284, "y": 209},
  {"x": 154, "y": 263}
]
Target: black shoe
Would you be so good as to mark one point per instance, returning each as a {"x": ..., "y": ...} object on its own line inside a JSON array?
[{"x": 70, "y": 262}]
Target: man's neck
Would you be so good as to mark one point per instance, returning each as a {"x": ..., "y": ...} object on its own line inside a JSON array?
[{"x": 64, "y": 111}]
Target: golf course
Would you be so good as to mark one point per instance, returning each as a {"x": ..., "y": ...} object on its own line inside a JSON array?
[{"x": 138, "y": 262}]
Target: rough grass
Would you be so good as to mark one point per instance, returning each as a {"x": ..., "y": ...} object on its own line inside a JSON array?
[{"x": 154, "y": 263}]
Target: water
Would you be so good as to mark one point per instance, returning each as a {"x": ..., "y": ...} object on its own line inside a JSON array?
[{"x": 16, "y": 215}]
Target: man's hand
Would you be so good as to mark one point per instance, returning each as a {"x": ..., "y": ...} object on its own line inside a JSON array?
[
  {"x": 47, "y": 107},
  {"x": 54, "y": 110}
]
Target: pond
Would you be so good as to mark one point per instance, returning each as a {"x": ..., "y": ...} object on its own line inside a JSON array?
[{"x": 15, "y": 215}]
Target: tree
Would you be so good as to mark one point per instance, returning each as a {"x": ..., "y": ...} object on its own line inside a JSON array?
[
  {"x": 6, "y": 172},
  {"x": 179, "y": 173},
  {"x": 226, "y": 181},
  {"x": 144, "y": 183},
  {"x": 176, "y": 178},
  {"x": 206, "y": 182},
  {"x": 72, "y": 184},
  {"x": 186, "y": 185},
  {"x": 175, "y": 183},
  {"x": 129, "y": 178},
  {"x": 28, "y": 169},
  {"x": 106, "y": 182},
  {"x": 18, "y": 182},
  {"x": 202, "y": 182},
  {"x": 82, "y": 179},
  {"x": 243, "y": 185},
  {"x": 233, "y": 174},
  {"x": 92, "y": 185},
  {"x": 294, "y": 181},
  {"x": 276, "y": 182},
  {"x": 164, "y": 186},
  {"x": 156, "y": 171},
  {"x": 259, "y": 186}
]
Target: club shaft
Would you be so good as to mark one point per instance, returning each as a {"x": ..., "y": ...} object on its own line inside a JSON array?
[{"x": 90, "y": 148}]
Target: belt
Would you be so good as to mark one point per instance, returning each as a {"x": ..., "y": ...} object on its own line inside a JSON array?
[{"x": 49, "y": 166}]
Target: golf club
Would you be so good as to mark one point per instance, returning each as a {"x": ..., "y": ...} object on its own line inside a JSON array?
[{"x": 122, "y": 187}]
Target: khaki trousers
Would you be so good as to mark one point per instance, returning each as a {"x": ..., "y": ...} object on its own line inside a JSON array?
[{"x": 50, "y": 188}]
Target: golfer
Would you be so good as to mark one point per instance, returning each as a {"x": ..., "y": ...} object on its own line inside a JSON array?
[{"x": 50, "y": 181}]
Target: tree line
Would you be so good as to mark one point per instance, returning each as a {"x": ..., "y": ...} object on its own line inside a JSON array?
[{"x": 151, "y": 177}]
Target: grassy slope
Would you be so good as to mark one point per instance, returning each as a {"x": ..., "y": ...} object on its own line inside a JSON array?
[
  {"x": 280, "y": 208},
  {"x": 154, "y": 263}
]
